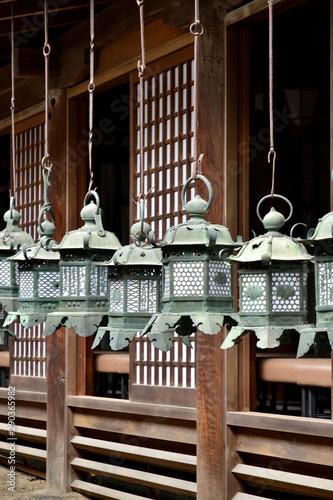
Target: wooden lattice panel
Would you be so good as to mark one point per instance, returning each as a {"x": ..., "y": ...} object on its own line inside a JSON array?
[
  {"x": 168, "y": 140},
  {"x": 175, "y": 368},
  {"x": 29, "y": 355}
]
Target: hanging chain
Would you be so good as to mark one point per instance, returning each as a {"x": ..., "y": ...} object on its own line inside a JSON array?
[
  {"x": 141, "y": 71},
  {"x": 12, "y": 104},
  {"x": 91, "y": 88},
  {"x": 46, "y": 160},
  {"x": 272, "y": 152},
  {"x": 197, "y": 30}
]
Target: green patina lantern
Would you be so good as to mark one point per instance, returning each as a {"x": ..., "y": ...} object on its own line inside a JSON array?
[
  {"x": 197, "y": 280},
  {"x": 83, "y": 285},
  {"x": 38, "y": 268},
  {"x": 11, "y": 239},
  {"x": 272, "y": 284},
  {"x": 134, "y": 286},
  {"x": 321, "y": 336}
]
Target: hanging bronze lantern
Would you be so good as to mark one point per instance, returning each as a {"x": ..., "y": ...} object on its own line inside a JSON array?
[
  {"x": 38, "y": 269},
  {"x": 83, "y": 285},
  {"x": 321, "y": 336},
  {"x": 272, "y": 283},
  {"x": 134, "y": 285},
  {"x": 197, "y": 280},
  {"x": 11, "y": 239}
]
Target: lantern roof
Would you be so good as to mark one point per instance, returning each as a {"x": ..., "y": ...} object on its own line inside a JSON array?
[
  {"x": 136, "y": 255},
  {"x": 12, "y": 237},
  {"x": 198, "y": 231},
  {"x": 272, "y": 246},
  {"x": 323, "y": 230},
  {"x": 91, "y": 235}
]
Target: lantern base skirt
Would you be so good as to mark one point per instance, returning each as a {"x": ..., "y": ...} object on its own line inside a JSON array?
[
  {"x": 27, "y": 320},
  {"x": 84, "y": 324},
  {"x": 119, "y": 337},
  {"x": 321, "y": 338},
  {"x": 268, "y": 336},
  {"x": 161, "y": 327}
]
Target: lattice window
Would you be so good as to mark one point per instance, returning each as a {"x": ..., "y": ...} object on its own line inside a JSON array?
[
  {"x": 168, "y": 158},
  {"x": 286, "y": 295},
  {"x": 5, "y": 273},
  {"x": 29, "y": 355},
  {"x": 325, "y": 272},
  {"x": 168, "y": 140},
  {"x": 175, "y": 368}
]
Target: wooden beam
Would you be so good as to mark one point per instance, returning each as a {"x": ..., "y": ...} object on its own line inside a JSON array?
[
  {"x": 97, "y": 491},
  {"x": 29, "y": 63},
  {"x": 257, "y": 10},
  {"x": 290, "y": 425},
  {"x": 166, "y": 483},
  {"x": 286, "y": 481}
]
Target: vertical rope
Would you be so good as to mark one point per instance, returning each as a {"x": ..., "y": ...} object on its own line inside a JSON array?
[
  {"x": 196, "y": 29},
  {"x": 271, "y": 119},
  {"x": 12, "y": 104},
  {"x": 91, "y": 88},
  {"x": 141, "y": 70}
]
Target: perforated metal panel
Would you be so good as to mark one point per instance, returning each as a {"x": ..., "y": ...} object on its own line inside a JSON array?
[
  {"x": 5, "y": 273},
  {"x": 325, "y": 272},
  {"x": 141, "y": 296},
  {"x": 26, "y": 289},
  {"x": 286, "y": 292},
  {"x": 49, "y": 284},
  {"x": 99, "y": 281},
  {"x": 253, "y": 292},
  {"x": 188, "y": 278},
  {"x": 73, "y": 279},
  {"x": 219, "y": 279},
  {"x": 116, "y": 297}
]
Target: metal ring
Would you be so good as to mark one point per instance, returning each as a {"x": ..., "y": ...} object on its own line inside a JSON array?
[
  {"x": 275, "y": 196},
  {"x": 95, "y": 195},
  {"x": 137, "y": 241},
  {"x": 196, "y": 28},
  {"x": 47, "y": 159},
  {"x": 46, "y": 49},
  {"x": 91, "y": 87},
  {"x": 208, "y": 185},
  {"x": 294, "y": 227},
  {"x": 44, "y": 210}
]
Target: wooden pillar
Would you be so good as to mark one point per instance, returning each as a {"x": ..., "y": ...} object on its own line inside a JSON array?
[
  {"x": 209, "y": 361},
  {"x": 58, "y": 375}
]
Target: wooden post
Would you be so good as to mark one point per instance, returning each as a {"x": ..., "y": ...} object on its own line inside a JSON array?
[{"x": 209, "y": 361}]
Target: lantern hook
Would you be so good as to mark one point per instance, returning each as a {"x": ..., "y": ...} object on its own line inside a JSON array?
[
  {"x": 46, "y": 208},
  {"x": 274, "y": 196},
  {"x": 208, "y": 185}
]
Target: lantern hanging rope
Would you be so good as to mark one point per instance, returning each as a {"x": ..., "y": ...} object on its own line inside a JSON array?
[
  {"x": 38, "y": 265},
  {"x": 12, "y": 104},
  {"x": 83, "y": 284},
  {"x": 273, "y": 267},
  {"x": 197, "y": 278}
]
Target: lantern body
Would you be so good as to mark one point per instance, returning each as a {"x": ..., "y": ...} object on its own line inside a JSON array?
[
  {"x": 197, "y": 278},
  {"x": 39, "y": 290},
  {"x": 276, "y": 295},
  {"x": 320, "y": 336},
  {"x": 83, "y": 285},
  {"x": 134, "y": 287},
  {"x": 11, "y": 238},
  {"x": 272, "y": 285}
]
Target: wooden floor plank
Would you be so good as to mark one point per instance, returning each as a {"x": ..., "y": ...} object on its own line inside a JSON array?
[
  {"x": 246, "y": 496},
  {"x": 135, "y": 476},
  {"x": 161, "y": 458},
  {"x": 102, "y": 492},
  {"x": 286, "y": 481}
]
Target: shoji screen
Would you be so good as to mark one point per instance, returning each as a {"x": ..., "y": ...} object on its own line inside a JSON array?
[
  {"x": 168, "y": 156},
  {"x": 29, "y": 355}
]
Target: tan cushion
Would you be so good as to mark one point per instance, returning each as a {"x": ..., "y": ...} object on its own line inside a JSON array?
[
  {"x": 4, "y": 359},
  {"x": 315, "y": 372},
  {"x": 112, "y": 362}
]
